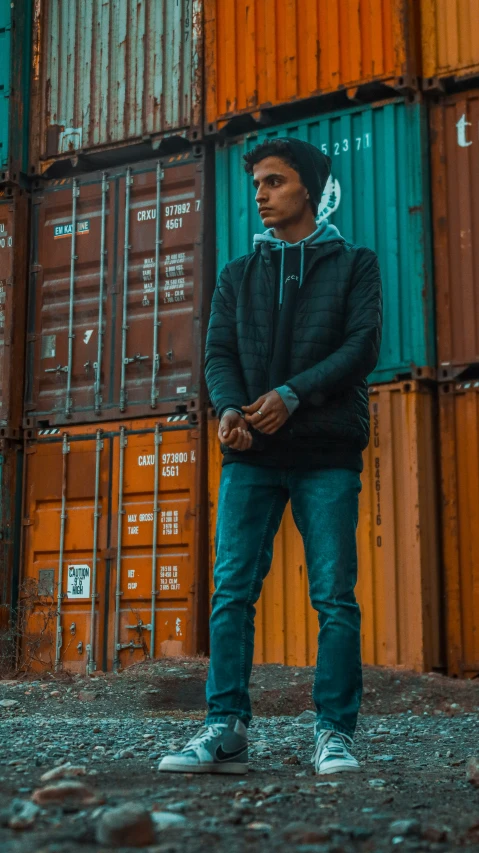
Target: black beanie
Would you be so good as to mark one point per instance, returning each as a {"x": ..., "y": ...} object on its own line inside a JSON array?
[{"x": 314, "y": 167}]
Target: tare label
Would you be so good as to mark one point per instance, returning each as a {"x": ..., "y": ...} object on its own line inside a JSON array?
[
  {"x": 78, "y": 582},
  {"x": 66, "y": 229}
]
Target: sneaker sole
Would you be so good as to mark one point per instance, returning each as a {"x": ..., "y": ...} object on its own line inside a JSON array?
[
  {"x": 339, "y": 769},
  {"x": 231, "y": 767}
]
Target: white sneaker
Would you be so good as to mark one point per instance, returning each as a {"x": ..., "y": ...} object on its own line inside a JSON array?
[
  {"x": 217, "y": 748},
  {"x": 331, "y": 753}
]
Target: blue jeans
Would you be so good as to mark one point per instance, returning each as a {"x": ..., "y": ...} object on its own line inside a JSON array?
[{"x": 325, "y": 508}]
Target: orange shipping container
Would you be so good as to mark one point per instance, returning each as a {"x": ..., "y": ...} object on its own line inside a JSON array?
[
  {"x": 114, "y": 551},
  {"x": 265, "y": 53},
  {"x": 459, "y": 432},
  {"x": 399, "y": 584},
  {"x": 454, "y": 123},
  {"x": 450, "y": 39}
]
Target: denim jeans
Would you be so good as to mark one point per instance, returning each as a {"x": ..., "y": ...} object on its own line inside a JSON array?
[{"x": 251, "y": 503}]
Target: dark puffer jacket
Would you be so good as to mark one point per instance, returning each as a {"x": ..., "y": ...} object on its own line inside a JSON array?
[{"x": 334, "y": 346}]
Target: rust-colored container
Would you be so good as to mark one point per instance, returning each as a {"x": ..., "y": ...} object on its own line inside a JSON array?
[
  {"x": 14, "y": 228},
  {"x": 11, "y": 461},
  {"x": 112, "y": 75},
  {"x": 266, "y": 53},
  {"x": 450, "y": 39},
  {"x": 459, "y": 433},
  {"x": 114, "y": 564},
  {"x": 455, "y": 195},
  {"x": 398, "y": 549},
  {"x": 121, "y": 275}
]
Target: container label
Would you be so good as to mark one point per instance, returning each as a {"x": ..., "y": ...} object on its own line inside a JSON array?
[
  {"x": 66, "y": 229},
  {"x": 6, "y": 241},
  {"x": 78, "y": 581},
  {"x": 329, "y": 200}
]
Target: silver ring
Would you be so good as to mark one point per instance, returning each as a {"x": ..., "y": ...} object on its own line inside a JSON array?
[{"x": 260, "y": 413}]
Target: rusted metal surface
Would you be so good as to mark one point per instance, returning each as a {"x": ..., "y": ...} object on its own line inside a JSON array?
[
  {"x": 399, "y": 580},
  {"x": 15, "y": 46},
  {"x": 459, "y": 431},
  {"x": 450, "y": 39},
  {"x": 110, "y": 74},
  {"x": 264, "y": 53},
  {"x": 106, "y": 591},
  {"x": 11, "y": 459},
  {"x": 14, "y": 229},
  {"x": 119, "y": 295},
  {"x": 455, "y": 195}
]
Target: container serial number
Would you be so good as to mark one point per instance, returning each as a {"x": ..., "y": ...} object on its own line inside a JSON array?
[{"x": 346, "y": 144}]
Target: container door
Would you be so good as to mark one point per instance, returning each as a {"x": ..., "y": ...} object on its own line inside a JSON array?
[
  {"x": 155, "y": 515},
  {"x": 5, "y": 41},
  {"x": 64, "y": 566},
  {"x": 69, "y": 290},
  {"x": 161, "y": 232}
]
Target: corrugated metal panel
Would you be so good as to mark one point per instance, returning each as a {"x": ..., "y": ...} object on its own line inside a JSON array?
[
  {"x": 450, "y": 38},
  {"x": 111, "y": 73},
  {"x": 113, "y": 487},
  {"x": 399, "y": 581},
  {"x": 260, "y": 53},
  {"x": 378, "y": 196},
  {"x": 11, "y": 460},
  {"x": 455, "y": 196},
  {"x": 459, "y": 432},
  {"x": 15, "y": 64},
  {"x": 14, "y": 232},
  {"x": 138, "y": 318}
]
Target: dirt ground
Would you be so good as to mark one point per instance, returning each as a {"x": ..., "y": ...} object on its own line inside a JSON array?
[{"x": 415, "y": 736}]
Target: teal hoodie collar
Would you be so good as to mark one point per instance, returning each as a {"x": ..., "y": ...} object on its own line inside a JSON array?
[{"x": 324, "y": 233}]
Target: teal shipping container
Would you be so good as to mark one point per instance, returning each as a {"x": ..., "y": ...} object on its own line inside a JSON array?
[
  {"x": 377, "y": 195},
  {"x": 15, "y": 66},
  {"x": 111, "y": 73}
]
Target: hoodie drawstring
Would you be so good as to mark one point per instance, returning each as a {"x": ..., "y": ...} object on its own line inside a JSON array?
[
  {"x": 281, "y": 281},
  {"x": 301, "y": 273}
]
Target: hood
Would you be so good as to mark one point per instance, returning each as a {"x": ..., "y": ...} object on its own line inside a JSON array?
[{"x": 325, "y": 233}]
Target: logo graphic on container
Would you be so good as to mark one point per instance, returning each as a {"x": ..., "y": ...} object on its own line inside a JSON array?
[
  {"x": 78, "y": 585},
  {"x": 329, "y": 200},
  {"x": 66, "y": 229}
]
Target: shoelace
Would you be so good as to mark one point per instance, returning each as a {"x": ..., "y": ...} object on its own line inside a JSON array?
[
  {"x": 332, "y": 743},
  {"x": 198, "y": 739}
]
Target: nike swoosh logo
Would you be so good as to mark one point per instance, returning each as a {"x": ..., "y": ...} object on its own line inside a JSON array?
[{"x": 221, "y": 755}]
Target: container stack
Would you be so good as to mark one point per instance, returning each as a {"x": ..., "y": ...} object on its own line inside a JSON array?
[
  {"x": 114, "y": 496},
  {"x": 375, "y": 98},
  {"x": 122, "y": 129}
]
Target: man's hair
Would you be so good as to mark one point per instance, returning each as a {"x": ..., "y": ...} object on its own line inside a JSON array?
[{"x": 269, "y": 148}]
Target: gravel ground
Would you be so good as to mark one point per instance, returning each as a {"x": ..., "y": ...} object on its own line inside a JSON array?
[{"x": 418, "y": 788}]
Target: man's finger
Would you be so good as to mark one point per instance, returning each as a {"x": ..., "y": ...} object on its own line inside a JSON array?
[
  {"x": 253, "y": 407},
  {"x": 256, "y": 418}
]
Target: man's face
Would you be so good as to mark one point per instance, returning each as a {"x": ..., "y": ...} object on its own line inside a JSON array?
[{"x": 281, "y": 197}]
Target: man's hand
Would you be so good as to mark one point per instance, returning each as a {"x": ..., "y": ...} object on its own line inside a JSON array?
[
  {"x": 267, "y": 414},
  {"x": 233, "y": 431}
]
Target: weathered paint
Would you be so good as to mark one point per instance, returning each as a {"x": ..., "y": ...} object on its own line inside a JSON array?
[
  {"x": 398, "y": 546},
  {"x": 15, "y": 59},
  {"x": 106, "y": 74},
  {"x": 114, "y": 480},
  {"x": 263, "y": 53},
  {"x": 450, "y": 38},
  {"x": 459, "y": 431},
  {"x": 143, "y": 290},
  {"x": 454, "y": 131},
  {"x": 378, "y": 196},
  {"x": 14, "y": 233}
]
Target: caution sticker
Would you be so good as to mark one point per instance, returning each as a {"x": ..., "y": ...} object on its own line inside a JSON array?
[{"x": 78, "y": 581}]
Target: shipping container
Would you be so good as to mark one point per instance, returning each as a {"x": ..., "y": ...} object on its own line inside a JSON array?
[
  {"x": 265, "y": 53},
  {"x": 454, "y": 130},
  {"x": 113, "y": 74},
  {"x": 399, "y": 586},
  {"x": 459, "y": 442},
  {"x": 377, "y": 195},
  {"x": 11, "y": 461},
  {"x": 14, "y": 228},
  {"x": 119, "y": 292},
  {"x": 450, "y": 40},
  {"x": 114, "y": 564},
  {"x": 15, "y": 73}
]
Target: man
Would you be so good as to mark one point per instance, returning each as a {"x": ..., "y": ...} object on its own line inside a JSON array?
[{"x": 294, "y": 331}]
